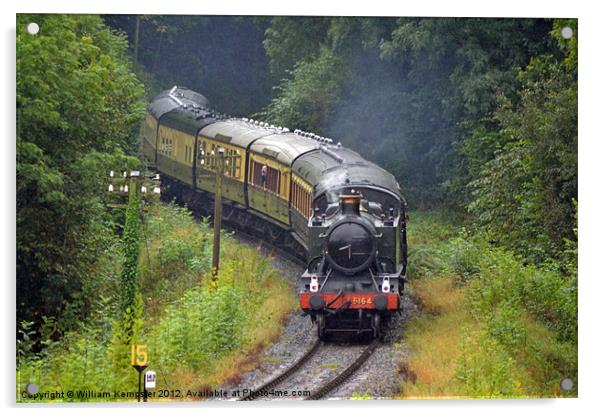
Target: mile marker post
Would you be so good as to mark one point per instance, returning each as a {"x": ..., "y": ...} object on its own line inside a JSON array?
[
  {"x": 139, "y": 362},
  {"x": 140, "y": 369},
  {"x": 217, "y": 215}
]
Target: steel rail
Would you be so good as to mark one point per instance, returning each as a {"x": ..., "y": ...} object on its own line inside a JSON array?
[
  {"x": 348, "y": 372},
  {"x": 284, "y": 375}
]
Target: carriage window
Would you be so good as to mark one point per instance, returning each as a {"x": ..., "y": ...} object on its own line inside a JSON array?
[
  {"x": 166, "y": 146},
  {"x": 237, "y": 163},
  {"x": 228, "y": 163},
  {"x": 203, "y": 154},
  {"x": 189, "y": 156},
  {"x": 301, "y": 200},
  {"x": 232, "y": 163},
  {"x": 200, "y": 153},
  {"x": 213, "y": 154},
  {"x": 207, "y": 158},
  {"x": 265, "y": 177}
]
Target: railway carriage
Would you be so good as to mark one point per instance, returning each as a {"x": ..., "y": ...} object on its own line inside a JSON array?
[{"x": 344, "y": 215}]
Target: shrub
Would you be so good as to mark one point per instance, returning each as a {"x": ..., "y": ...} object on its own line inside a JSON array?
[
  {"x": 175, "y": 254},
  {"x": 81, "y": 361},
  {"x": 463, "y": 257},
  {"x": 505, "y": 327},
  {"x": 485, "y": 369},
  {"x": 192, "y": 332},
  {"x": 203, "y": 325}
]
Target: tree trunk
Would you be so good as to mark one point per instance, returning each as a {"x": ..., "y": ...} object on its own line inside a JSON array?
[{"x": 136, "y": 40}]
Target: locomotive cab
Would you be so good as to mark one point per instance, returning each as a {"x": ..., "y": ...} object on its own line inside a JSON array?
[{"x": 356, "y": 269}]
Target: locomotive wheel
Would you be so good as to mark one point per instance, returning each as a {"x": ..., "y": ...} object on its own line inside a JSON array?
[
  {"x": 376, "y": 326},
  {"x": 321, "y": 324}
]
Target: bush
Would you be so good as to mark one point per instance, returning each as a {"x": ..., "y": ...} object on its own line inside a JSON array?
[
  {"x": 488, "y": 372},
  {"x": 202, "y": 326},
  {"x": 427, "y": 234},
  {"x": 463, "y": 258},
  {"x": 544, "y": 294},
  {"x": 175, "y": 253},
  {"x": 86, "y": 360},
  {"x": 498, "y": 279},
  {"x": 505, "y": 327}
]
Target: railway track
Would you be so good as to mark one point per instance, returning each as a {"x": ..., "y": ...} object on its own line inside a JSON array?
[
  {"x": 284, "y": 375},
  {"x": 323, "y": 389},
  {"x": 345, "y": 374}
]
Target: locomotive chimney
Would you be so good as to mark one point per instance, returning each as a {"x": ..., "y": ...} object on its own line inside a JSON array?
[{"x": 350, "y": 204}]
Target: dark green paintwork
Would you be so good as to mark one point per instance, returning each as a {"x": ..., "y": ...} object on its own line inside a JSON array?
[
  {"x": 268, "y": 203},
  {"x": 232, "y": 189}
]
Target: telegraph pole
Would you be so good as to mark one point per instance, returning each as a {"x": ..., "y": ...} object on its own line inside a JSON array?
[
  {"x": 217, "y": 215},
  {"x": 133, "y": 187},
  {"x": 134, "y": 184}
]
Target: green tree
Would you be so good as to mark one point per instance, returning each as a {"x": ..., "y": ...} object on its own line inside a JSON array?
[
  {"x": 307, "y": 99},
  {"x": 455, "y": 68},
  {"x": 221, "y": 57},
  {"x": 526, "y": 194},
  {"x": 288, "y": 41},
  {"x": 78, "y": 112}
]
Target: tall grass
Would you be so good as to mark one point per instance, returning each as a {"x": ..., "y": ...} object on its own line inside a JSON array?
[{"x": 493, "y": 326}]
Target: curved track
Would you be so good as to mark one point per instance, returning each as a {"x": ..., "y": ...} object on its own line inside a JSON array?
[
  {"x": 321, "y": 390},
  {"x": 344, "y": 375},
  {"x": 284, "y": 375}
]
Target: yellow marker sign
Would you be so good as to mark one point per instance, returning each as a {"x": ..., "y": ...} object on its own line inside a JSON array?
[{"x": 139, "y": 355}]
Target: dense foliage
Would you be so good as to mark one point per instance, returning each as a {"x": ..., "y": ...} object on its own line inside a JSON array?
[
  {"x": 477, "y": 114},
  {"x": 526, "y": 193},
  {"x": 78, "y": 111},
  {"x": 222, "y": 57},
  {"x": 474, "y": 114}
]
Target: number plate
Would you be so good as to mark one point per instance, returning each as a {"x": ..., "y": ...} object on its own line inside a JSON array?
[{"x": 361, "y": 300}]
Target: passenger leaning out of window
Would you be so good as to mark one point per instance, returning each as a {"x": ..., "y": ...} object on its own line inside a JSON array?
[{"x": 264, "y": 175}]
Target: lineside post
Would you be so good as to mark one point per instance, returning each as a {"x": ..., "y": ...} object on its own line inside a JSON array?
[{"x": 217, "y": 215}]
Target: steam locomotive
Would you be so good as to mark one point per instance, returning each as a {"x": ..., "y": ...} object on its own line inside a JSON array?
[{"x": 345, "y": 216}]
